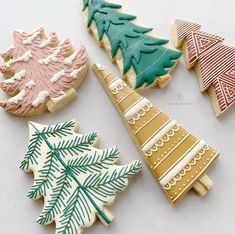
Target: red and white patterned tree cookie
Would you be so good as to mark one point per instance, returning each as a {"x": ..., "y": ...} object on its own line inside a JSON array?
[
  {"x": 213, "y": 61},
  {"x": 42, "y": 73}
]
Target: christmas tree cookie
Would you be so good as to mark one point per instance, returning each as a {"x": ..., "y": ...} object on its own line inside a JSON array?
[
  {"x": 213, "y": 62},
  {"x": 144, "y": 59},
  {"x": 76, "y": 179},
  {"x": 42, "y": 74},
  {"x": 177, "y": 159}
]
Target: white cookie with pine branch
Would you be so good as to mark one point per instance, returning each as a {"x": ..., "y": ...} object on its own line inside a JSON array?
[{"x": 77, "y": 180}]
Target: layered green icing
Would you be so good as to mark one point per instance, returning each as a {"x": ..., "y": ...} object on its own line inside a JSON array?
[{"x": 146, "y": 54}]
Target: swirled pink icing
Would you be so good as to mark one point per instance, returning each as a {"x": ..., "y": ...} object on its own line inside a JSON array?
[{"x": 38, "y": 69}]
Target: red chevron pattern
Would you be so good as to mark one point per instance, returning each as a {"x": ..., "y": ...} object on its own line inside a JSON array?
[
  {"x": 200, "y": 42},
  {"x": 216, "y": 62}
]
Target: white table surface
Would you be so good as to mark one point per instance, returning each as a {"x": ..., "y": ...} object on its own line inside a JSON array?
[{"x": 142, "y": 208}]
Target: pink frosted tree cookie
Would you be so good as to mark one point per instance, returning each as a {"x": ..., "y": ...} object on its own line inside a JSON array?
[{"x": 42, "y": 74}]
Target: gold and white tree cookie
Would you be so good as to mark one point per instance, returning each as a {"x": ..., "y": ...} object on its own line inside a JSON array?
[
  {"x": 177, "y": 159},
  {"x": 42, "y": 74},
  {"x": 76, "y": 179}
]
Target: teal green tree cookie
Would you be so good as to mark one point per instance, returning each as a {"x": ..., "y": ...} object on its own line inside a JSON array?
[
  {"x": 76, "y": 179},
  {"x": 149, "y": 56}
]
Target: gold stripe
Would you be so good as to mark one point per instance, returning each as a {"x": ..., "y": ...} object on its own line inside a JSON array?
[
  {"x": 197, "y": 178},
  {"x": 152, "y": 127},
  {"x": 132, "y": 105},
  {"x": 179, "y": 159},
  {"x": 175, "y": 155},
  {"x": 156, "y": 132},
  {"x": 187, "y": 135},
  {"x": 156, "y": 114},
  {"x": 122, "y": 99}
]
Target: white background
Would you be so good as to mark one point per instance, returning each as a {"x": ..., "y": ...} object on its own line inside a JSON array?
[{"x": 142, "y": 208}]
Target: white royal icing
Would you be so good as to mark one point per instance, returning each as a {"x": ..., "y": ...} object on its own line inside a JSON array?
[
  {"x": 180, "y": 166},
  {"x": 57, "y": 76},
  {"x": 51, "y": 57},
  {"x": 17, "y": 77},
  {"x": 136, "y": 108},
  {"x": 40, "y": 98},
  {"x": 24, "y": 58},
  {"x": 158, "y": 136},
  {"x": 74, "y": 73},
  {"x": 30, "y": 84},
  {"x": 30, "y": 39},
  {"x": 115, "y": 84},
  {"x": 69, "y": 60},
  {"x": 45, "y": 43},
  {"x": 19, "y": 97}
]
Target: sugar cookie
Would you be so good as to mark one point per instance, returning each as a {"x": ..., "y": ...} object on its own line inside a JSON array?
[
  {"x": 143, "y": 58},
  {"x": 176, "y": 158},
  {"x": 76, "y": 179},
  {"x": 41, "y": 73},
  {"x": 213, "y": 62}
]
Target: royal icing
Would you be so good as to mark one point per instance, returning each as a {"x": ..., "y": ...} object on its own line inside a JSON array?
[
  {"x": 74, "y": 74},
  {"x": 30, "y": 84},
  {"x": 39, "y": 72},
  {"x": 69, "y": 60},
  {"x": 17, "y": 77},
  {"x": 215, "y": 62},
  {"x": 144, "y": 54},
  {"x": 42, "y": 96},
  {"x": 24, "y": 58},
  {"x": 176, "y": 157},
  {"x": 18, "y": 98},
  {"x": 75, "y": 179},
  {"x": 30, "y": 39},
  {"x": 57, "y": 76},
  {"x": 46, "y": 42}
]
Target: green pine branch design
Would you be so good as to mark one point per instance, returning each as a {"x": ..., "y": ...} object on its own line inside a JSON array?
[
  {"x": 35, "y": 142},
  {"x": 59, "y": 194},
  {"x": 46, "y": 177},
  {"x": 76, "y": 145},
  {"x": 94, "y": 163},
  {"x": 76, "y": 179},
  {"x": 146, "y": 54}
]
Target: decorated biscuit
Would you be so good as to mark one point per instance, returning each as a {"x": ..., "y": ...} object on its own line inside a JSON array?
[
  {"x": 76, "y": 179},
  {"x": 213, "y": 62},
  {"x": 177, "y": 159},
  {"x": 144, "y": 59},
  {"x": 42, "y": 74}
]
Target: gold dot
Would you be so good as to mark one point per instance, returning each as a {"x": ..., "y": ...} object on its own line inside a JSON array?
[
  {"x": 96, "y": 186},
  {"x": 69, "y": 225},
  {"x": 45, "y": 179},
  {"x": 52, "y": 151},
  {"x": 66, "y": 182},
  {"x": 99, "y": 162},
  {"x": 26, "y": 160}
]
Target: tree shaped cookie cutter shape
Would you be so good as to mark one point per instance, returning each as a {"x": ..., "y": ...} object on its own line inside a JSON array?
[
  {"x": 213, "y": 62},
  {"x": 42, "y": 74},
  {"x": 177, "y": 159},
  {"x": 143, "y": 59},
  {"x": 76, "y": 179}
]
